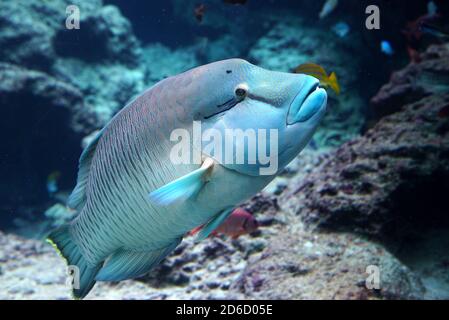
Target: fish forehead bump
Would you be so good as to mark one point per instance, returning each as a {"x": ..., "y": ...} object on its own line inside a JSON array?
[
  {"x": 269, "y": 84},
  {"x": 227, "y": 66},
  {"x": 211, "y": 74},
  {"x": 240, "y": 70},
  {"x": 228, "y": 63},
  {"x": 225, "y": 74},
  {"x": 201, "y": 91}
]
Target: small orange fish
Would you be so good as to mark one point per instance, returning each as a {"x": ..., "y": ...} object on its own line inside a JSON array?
[
  {"x": 238, "y": 223},
  {"x": 318, "y": 72}
]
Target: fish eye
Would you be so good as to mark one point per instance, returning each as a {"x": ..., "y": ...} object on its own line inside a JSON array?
[{"x": 241, "y": 91}]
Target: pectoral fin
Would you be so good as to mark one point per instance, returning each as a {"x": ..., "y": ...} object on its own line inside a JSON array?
[
  {"x": 213, "y": 224},
  {"x": 183, "y": 188}
]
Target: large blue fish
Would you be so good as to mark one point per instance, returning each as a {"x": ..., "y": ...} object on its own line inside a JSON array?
[{"x": 135, "y": 204}]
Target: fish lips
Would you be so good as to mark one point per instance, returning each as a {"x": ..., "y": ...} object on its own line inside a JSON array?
[{"x": 307, "y": 102}]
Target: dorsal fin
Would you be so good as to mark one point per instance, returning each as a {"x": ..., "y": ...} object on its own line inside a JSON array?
[{"x": 77, "y": 198}]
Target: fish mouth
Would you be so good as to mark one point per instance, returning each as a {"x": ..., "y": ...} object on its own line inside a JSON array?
[{"x": 307, "y": 102}]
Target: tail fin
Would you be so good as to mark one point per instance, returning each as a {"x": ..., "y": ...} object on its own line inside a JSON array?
[
  {"x": 333, "y": 82},
  {"x": 62, "y": 241}
]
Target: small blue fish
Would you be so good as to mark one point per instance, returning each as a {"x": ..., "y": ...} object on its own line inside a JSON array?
[
  {"x": 327, "y": 8},
  {"x": 341, "y": 29},
  {"x": 52, "y": 182},
  {"x": 386, "y": 48},
  {"x": 431, "y": 8}
]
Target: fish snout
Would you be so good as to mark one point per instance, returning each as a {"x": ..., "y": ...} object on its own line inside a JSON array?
[{"x": 307, "y": 102}]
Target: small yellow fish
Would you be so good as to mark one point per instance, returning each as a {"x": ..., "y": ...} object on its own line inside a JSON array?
[{"x": 318, "y": 72}]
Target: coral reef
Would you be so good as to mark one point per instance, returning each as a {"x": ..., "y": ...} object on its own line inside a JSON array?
[
  {"x": 43, "y": 120},
  {"x": 384, "y": 182},
  {"x": 161, "y": 62},
  {"x": 302, "y": 265},
  {"x": 106, "y": 88},
  {"x": 417, "y": 80},
  {"x": 28, "y": 30},
  {"x": 272, "y": 265},
  {"x": 107, "y": 30},
  {"x": 55, "y": 90}
]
